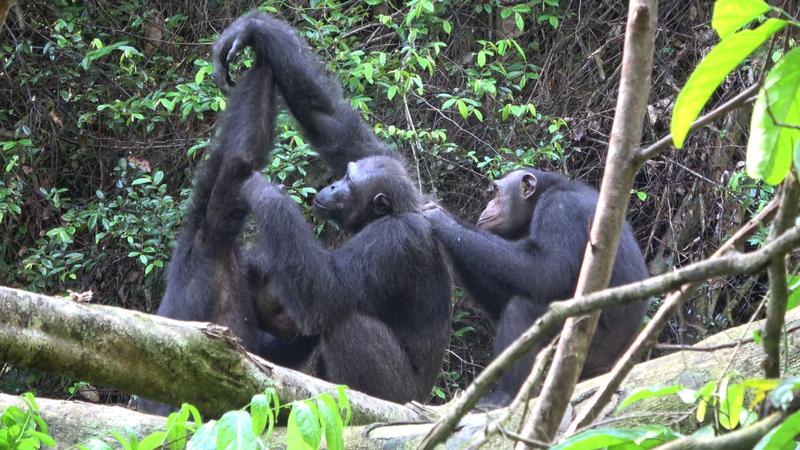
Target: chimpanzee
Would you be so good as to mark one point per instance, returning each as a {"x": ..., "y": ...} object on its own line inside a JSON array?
[
  {"x": 209, "y": 277},
  {"x": 381, "y": 301},
  {"x": 527, "y": 252}
]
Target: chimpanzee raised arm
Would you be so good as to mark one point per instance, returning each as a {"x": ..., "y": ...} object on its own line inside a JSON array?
[{"x": 331, "y": 124}]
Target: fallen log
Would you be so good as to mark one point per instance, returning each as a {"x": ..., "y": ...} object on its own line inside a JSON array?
[
  {"x": 158, "y": 358},
  {"x": 708, "y": 360}
]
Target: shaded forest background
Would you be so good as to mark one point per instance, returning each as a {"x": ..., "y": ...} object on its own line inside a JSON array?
[{"x": 106, "y": 108}]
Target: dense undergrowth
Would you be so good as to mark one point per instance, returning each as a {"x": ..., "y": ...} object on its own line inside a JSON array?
[{"x": 106, "y": 107}]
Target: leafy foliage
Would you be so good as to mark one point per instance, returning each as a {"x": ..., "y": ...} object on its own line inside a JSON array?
[
  {"x": 246, "y": 429},
  {"x": 24, "y": 428}
]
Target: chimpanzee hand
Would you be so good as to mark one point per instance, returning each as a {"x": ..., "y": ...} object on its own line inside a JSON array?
[
  {"x": 436, "y": 215},
  {"x": 237, "y": 36},
  {"x": 256, "y": 189}
]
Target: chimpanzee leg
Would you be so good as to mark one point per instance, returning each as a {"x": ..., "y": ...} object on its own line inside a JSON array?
[
  {"x": 518, "y": 316},
  {"x": 362, "y": 353}
]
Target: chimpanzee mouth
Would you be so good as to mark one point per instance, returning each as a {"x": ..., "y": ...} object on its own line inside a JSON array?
[{"x": 484, "y": 220}]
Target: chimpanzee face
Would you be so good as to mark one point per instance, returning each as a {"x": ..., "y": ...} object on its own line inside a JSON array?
[
  {"x": 512, "y": 204},
  {"x": 357, "y": 198}
]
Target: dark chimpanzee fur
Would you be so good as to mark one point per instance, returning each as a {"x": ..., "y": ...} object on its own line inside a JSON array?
[
  {"x": 527, "y": 254},
  {"x": 210, "y": 278},
  {"x": 381, "y": 301}
]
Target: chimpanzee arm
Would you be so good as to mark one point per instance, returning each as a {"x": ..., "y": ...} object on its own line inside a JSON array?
[
  {"x": 331, "y": 124},
  {"x": 318, "y": 286},
  {"x": 535, "y": 267}
]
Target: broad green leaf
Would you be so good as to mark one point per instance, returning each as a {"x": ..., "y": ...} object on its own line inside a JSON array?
[
  {"x": 204, "y": 438},
  {"x": 261, "y": 413},
  {"x": 731, "y": 406},
  {"x": 781, "y": 436},
  {"x": 731, "y": 15},
  {"x": 303, "y": 430},
  {"x": 235, "y": 431},
  {"x": 643, "y": 437},
  {"x": 783, "y": 394},
  {"x": 331, "y": 421},
  {"x": 708, "y": 75},
  {"x": 462, "y": 108},
  {"x": 704, "y": 398},
  {"x": 152, "y": 441},
  {"x": 649, "y": 392},
  {"x": 794, "y": 285},
  {"x": 46, "y": 439},
  {"x": 392, "y": 92},
  {"x": 344, "y": 402},
  {"x": 771, "y": 146},
  {"x": 481, "y": 58}
]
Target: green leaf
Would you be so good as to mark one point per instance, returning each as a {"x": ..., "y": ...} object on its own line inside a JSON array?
[
  {"x": 152, "y": 441},
  {"x": 303, "y": 430},
  {"x": 331, "y": 421},
  {"x": 344, "y": 402},
  {"x": 781, "y": 436},
  {"x": 261, "y": 413},
  {"x": 481, "y": 58},
  {"x": 46, "y": 439},
  {"x": 478, "y": 114},
  {"x": 783, "y": 394},
  {"x": 519, "y": 22},
  {"x": 643, "y": 437},
  {"x": 771, "y": 145},
  {"x": 704, "y": 398},
  {"x": 649, "y": 392},
  {"x": 462, "y": 108},
  {"x": 235, "y": 431},
  {"x": 794, "y": 288},
  {"x": 731, "y": 15},
  {"x": 392, "y": 92},
  {"x": 731, "y": 406},
  {"x": 447, "y": 26},
  {"x": 708, "y": 75},
  {"x": 204, "y": 438}
]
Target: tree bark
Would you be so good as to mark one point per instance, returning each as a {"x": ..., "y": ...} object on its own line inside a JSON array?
[
  {"x": 158, "y": 358},
  {"x": 74, "y": 422}
]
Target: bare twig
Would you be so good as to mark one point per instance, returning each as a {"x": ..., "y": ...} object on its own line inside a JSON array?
[
  {"x": 776, "y": 308},
  {"x": 557, "y": 312},
  {"x": 649, "y": 335}
]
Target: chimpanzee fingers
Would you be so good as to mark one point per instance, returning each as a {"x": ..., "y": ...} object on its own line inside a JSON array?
[{"x": 430, "y": 205}]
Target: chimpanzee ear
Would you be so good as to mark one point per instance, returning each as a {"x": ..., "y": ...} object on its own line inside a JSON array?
[
  {"x": 382, "y": 204},
  {"x": 528, "y": 185}
]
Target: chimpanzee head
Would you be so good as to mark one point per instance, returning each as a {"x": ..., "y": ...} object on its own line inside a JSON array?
[
  {"x": 373, "y": 187},
  {"x": 511, "y": 209}
]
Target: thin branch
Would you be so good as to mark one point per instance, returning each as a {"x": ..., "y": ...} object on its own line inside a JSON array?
[
  {"x": 649, "y": 335},
  {"x": 743, "y": 439},
  {"x": 713, "y": 348},
  {"x": 779, "y": 292},
  {"x": 746, "y": 96},
  {"x": 730, "y": 264}
]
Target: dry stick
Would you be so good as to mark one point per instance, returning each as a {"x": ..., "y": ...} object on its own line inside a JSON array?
[
  {"x": 604, "y": 237},
  {"x": 713, "y": 348},
  {"x": 743, "y": 97},
  {"x": 533, "y": 381},
  {"x": 779, "y": 292},
  {"x": 742, "y": 439},
  {"x": 731, "y": 264},
  {"x": 649, "y": 335}
]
